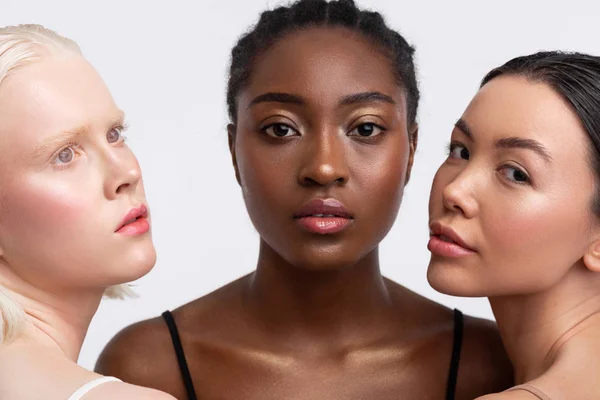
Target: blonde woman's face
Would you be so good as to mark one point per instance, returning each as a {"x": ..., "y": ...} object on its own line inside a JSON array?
[{"x": 71, "y": 195}]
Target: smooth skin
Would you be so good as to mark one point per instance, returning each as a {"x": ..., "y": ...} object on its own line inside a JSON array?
[
  {"x": 518, "y": 188},
  {"x": 67, "y": 179},
  {"x": 316, "y": 320}
]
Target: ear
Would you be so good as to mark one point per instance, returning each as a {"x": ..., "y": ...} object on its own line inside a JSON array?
[
  {"x": 591, "y": 258},
  {"x": 413, "y": 139},
  {"x": 231, "y": 131}
]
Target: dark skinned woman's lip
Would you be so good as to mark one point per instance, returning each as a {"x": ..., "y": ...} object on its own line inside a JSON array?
[{"x": 323, "y": 216}]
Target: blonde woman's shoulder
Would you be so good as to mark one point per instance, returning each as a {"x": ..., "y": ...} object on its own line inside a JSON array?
[{"x": 121, "y": 390}]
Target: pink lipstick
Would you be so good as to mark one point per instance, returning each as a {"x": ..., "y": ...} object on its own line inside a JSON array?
[
  {"x": 445, "y": 242},
  {"x": 323, "y": 216},
  {"x": 135, "y": 222}
]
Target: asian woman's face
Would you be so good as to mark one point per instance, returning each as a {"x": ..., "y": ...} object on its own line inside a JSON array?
[
  {"x": 511, "y": 207},
  {"x": 73, "y": 211}
]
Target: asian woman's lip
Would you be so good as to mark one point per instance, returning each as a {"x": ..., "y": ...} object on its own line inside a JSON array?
[
  {"x": 135, "y": 213},
  {"x": 445, "y": 232}
]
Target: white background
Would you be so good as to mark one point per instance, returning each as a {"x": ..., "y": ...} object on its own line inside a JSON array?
[{"x": 165, "y": 63}]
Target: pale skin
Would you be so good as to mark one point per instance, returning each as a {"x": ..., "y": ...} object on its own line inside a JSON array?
[
  {"x": 525, "y": 208},
  {"x": 67, "y": 180}
]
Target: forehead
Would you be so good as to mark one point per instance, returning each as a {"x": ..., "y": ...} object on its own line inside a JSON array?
[
  {"x": 323, "y": 64},
  {"x": 51, "y": 96},
  {"x": 516, "y": 106}
]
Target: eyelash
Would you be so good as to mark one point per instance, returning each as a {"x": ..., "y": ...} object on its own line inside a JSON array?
[
  {"x": 280, "y": 124},
  {"x": 122, "y": 138},
  {"x": 122, "y": 129},
  {"x": 381, "y": 129},
  {"x": 454, "y": 145}
]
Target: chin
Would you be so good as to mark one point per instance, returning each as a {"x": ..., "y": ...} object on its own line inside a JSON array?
[
  {"x": 136, "y": 263},
  {"x": 452, "y": 282}
]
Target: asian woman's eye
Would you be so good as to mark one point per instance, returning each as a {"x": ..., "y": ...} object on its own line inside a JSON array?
[
  {"x": 279, "y": 130},
  {"x": 514, "y": 174},
  {"x": 368, "y": 129},
  {"x": 458, "y": 151}
]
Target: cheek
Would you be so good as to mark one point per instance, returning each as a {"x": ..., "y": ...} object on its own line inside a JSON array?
[
  {"x": 377, "y": 178},
  {"x": 42, "y": 211},
  {"x": 536, "y": 234},
  {"x": 266, "y": 175},
  {"x": 440, "y": 180}
]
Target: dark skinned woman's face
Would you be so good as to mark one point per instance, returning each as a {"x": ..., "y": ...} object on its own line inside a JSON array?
[{"x": 321, "y": 147}]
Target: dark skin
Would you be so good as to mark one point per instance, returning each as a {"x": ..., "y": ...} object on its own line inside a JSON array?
[{"x": 316, "y": 320}]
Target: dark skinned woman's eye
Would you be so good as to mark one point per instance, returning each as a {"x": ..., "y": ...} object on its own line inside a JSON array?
[
  {"x": 279, "y": 130},
  {"x": 367, "y": 130}
]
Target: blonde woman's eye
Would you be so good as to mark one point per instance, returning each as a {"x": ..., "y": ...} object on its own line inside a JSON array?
[
  {"x": 114, "y": 135},
  {"x": 64, "y": 156}
]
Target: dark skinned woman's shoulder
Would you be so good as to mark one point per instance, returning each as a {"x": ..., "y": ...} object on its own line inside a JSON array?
[
  {"x": 140, "y": 354},
  {"x": 484, "y": 365}
]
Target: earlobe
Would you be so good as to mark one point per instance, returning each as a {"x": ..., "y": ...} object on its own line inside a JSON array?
[
  {"x": 231, "y": 132},
  {"x": 591, "y": 258},
  {"x": 413, "y": 139}
]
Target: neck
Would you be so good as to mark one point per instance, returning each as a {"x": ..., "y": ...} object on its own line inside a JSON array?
[
  {"x": 534, "y": 327},
  {"x": 317, "y": 304},
  {"x": 56, "y": 320}
]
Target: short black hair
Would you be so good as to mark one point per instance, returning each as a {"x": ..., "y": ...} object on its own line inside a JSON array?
[
  {"x": 274, "y": 24},
  {"x": 576, "y": 78}
]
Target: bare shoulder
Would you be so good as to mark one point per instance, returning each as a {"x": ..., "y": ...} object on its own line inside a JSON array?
[
  {"x": 140, "y": 354},
  {"x": 119, "y": 390},
  {"x": 484, "y": 365},
  {"x": 516, "y": 395},
  {"x": 143, "y": 353}
]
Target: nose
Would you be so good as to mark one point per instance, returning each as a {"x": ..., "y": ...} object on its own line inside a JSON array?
[
  {"x": 325, "y": 160},
  {"x": 459, "y": 194},
  {"x": 123, "y": 172}
]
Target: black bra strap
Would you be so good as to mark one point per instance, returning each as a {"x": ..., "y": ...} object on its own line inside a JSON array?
[
  {"x": 455, "y": 360},
  {"x": 183, "y": 367}
]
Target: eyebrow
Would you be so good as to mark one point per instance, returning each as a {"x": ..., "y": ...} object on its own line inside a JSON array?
[
  {"x": 462, "y": 125},
  {"x": 277, "y": 97},
  {"x": 70, "y": 135},
  {"x": 288, "y": 98},
  {"x": 366, "y": 97},
  {"x": 52, "y": 142},
  {"x": 512, "y": 142},
  {"x": 529, "y": 144}
]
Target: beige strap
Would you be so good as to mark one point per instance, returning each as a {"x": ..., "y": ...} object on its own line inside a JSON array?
[{"x": 531, "y": 389}]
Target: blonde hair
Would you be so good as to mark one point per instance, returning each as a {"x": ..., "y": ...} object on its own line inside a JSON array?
[{"x": 19, "y": 46}]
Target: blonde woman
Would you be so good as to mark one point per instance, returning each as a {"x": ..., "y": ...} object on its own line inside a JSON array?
[{"x": 73, "y": 217}]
